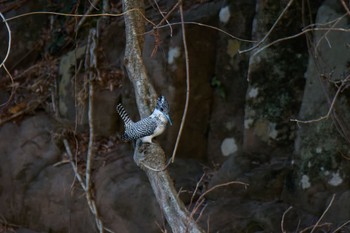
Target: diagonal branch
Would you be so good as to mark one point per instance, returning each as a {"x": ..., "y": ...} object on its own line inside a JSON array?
[
  {"x": 343, "y": 85},
  {"x": 175, "y": 212},
  {"x": 187, "y": 83},
  {"x": 134, "y": 31},
  {"x": 152, "y": 155},
  {"x": 271, "y": 29}
]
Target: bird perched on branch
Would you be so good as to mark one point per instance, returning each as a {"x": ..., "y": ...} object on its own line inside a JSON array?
[{"x": 148, "y": 128}]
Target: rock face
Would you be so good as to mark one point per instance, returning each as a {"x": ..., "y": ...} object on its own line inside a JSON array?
[
  {"x": 323, "y": 145},
  {"x": 41, "y": 194},
  {"x": 275, "y": 86},
  {"x": 168, "y": 72},
  {"x": 238, "y": 125},
  {"x": 229, "y": 83}
]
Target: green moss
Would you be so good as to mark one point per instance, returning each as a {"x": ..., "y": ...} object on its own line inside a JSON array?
[{"x": 217, "y": 84}]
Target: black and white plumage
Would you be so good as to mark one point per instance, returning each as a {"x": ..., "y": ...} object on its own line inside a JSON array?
[{"x": 148, "y": 128}]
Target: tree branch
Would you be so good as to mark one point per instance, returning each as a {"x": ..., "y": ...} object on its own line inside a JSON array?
[
  {"x": 134, "y": 32},
  {"x": 9, "y": 40},
  {"x": 175, "y": 212},
  {"x": 151, "y": 157},
  {"x": 187, "y": 82}
]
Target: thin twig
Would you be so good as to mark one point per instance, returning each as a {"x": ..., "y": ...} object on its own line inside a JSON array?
[
  {"x": 283, "y": 217},
  {"x": 323, "y": 214},
  {"x": 341, "y": 226},
  {"x": 324, "y": 36},
  {"x": 9, "y": 40},
  {"x": 199, "y": 203},
  {"x": 314, "y": 25},
  {"x": 207, "y": 26},
  {"x": 165, "y": 17},
  {"x": 201, "y": 199},
  {"x": 297, "y": 35},
  {"x": 93, "y": 5},
  {"x": 82, "y": 20},
  {"x": 310, "y": 227},
  {"x": 92, "y": 66},
  {"x": 74, "y": 167},
  {"x": 92, "y": 63},
  {"x": 208, "y": 224},
  {"x": 79, "y": 15},
  {"x": 105, "y": 6},
  {"x": 196, "y": 189},
  {"x": 201, "y": 213},
  {"x": 345, "y": 7},
  {"x": 5, "y": 223},
  {"x": 271, "y": 29},
  {"x": 187, "y": 82},
  {"x": 30, "y": 107},
  {"x": 13, "y": 87},
  {"x": 340, "y": 88},
  {"x": 222, "y": 185}
]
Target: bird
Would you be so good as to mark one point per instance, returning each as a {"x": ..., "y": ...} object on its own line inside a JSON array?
[{"x": 147, "y": 128}]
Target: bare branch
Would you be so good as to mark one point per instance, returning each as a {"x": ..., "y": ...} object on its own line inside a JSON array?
[
  {"x": 222, "y": 185},
  {"x": 187, "y": 83},
  {"x": 165, "y": 17},
  {"x": 207, "y": 26},
  {"x": 297, "y": 35},
  {"x": 13, "y": 87},
  {"x": 74, "y": 167},
  {"x": 174, "y": 210},
  {"x": 196, "y": 189},
  {"x": 283, "y": 217},
  {"x": 82, "y": 20},
  {"x": 323, "y": 214},
  {"x": 201, "y": 199},
  {"x": 9, "y": 40},
  {"x": 79, "y": 15},
  {"x": 310, "y": 227},
  {"x": 134, "y": 31},
  {"x": 341, "y": 226},
  {"x": 91, "y": 65},
  {"x": 271, "y": 29},
  {"x": 324, "y": 36},
  {"x": 345, "y": 7},
  {"x": 340, "y": 89},
  {"x": 151, "y": 155}
]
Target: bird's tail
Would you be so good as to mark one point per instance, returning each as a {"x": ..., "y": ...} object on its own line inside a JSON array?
[{"x": 123, "y": 114}]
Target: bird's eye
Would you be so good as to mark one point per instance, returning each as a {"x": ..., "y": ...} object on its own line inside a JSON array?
[{"x": 161, "y": 109}]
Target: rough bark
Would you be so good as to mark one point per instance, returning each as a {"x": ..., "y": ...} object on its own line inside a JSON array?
[
  {"x": 151, "y": 157},
  {"x": 134, "y": 32}
]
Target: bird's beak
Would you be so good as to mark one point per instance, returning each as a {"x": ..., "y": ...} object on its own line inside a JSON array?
[{"x": 168, "y": 117}]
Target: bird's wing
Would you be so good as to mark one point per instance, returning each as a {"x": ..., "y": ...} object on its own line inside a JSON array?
[{"x": 140, "y": 129}]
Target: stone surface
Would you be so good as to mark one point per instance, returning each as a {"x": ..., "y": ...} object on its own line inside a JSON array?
[
  {"x": 321, "y": 146},
  {"x": 26, "y": 37},
  {"x": 229, "y": 81},
  {"x": 275, "y": 76},
  {"x": 124, "y": 196},
  {"x": 46, "y": 197},
  {"x": 170, "y": 79},
  {"x": 228, "y": 146},
  {"x": 237, "y": 129},
  {"x": 73, "y": 98},
  {"x": 235, "y": 215}
]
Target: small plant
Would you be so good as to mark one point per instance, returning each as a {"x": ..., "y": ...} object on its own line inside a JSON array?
[{"x": 217, "y": 84}]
